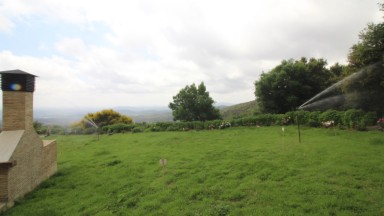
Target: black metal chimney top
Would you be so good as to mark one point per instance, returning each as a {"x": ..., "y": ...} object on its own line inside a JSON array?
[{"x": 17, "y": 80}]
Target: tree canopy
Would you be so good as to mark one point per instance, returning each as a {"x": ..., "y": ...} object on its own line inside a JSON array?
[
  {"x": 106, "y": 117},
  {"x": 370, "y": 47},
  {"x": 193, "y": 104},
  {"x": 366, "y": 61},
  {"x": 291, "y": 83}
]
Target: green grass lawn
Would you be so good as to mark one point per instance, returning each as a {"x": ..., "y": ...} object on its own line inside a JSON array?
[{"x": 237, "y": 171}]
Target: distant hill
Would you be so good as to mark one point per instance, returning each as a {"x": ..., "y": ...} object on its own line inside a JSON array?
[
  {"x": 239, "y": 110},
  {"x": 65, "y": 117},
  {"x": 147, "y": 114}
]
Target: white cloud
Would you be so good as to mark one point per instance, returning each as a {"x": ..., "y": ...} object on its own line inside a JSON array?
[
  {"x": 153, "y": 49},
  {"x": 5, "y": 24}
]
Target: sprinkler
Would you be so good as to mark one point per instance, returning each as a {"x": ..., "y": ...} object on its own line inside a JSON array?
[
  {"x": 333, "y": 96},
  {"x": 93, "y": 124}
]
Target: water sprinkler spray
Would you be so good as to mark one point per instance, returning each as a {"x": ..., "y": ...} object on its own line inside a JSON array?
[
  {"x": 93, "y": 124},
  {"x": 323, "y": 98},
  {"x": 333, "y": 95}
]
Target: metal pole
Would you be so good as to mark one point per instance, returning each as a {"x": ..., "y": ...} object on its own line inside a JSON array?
[{"x": 298, "y": 127}]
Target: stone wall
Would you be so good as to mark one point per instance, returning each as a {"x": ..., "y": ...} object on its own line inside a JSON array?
[
  {"x": 26, "y": 175},
  {"x": 35, "y": 163},
  {"x": 48, "y": 165},
  {"x": 3, "y": 183}
]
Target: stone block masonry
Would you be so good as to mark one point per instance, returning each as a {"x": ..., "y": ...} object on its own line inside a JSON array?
[{"x": 17, "y": 110}]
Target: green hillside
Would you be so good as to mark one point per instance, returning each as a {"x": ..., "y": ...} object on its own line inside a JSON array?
[{"x": 240, "y": 110}]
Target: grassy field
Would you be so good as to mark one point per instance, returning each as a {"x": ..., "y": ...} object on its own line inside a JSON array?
[{"x": 237, "y": 171}]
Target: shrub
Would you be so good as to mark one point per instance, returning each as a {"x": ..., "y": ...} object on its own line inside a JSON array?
[
  {"x": 137, "y": 130},
  {"x": 162, "y": 126},
  {"x": 172, "y": 127},
  {"x": 212, "y": 124},
  {"x": 286, "y": 120},
  {"x": 198, "y": 125},
  {"x": 224, "y": 125},
  {"x": 301, "y": 115},
  {"x": 361, "y": 125},
  {"x": 154, "y": 128},
  {"x": 370, "y": 118},
  {"x": 90, "y": 130},
  {"x": 331, "y": 115},
  {"x": 380, "y": 123},
  {"x": 236, "y": 122},
  {"x": 268, "y": 119},
  {"x": 352, "y": 118},
  {"x": 314, "y": 119},
  {"x": 118, "y": 128},
  {"x": 292, "y": 115}
]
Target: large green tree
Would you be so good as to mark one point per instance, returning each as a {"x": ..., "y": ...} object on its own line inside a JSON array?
[
  {"x": 291, "y": 83},
  {"x": 366, "y": 63},
  {"x": 193, "y": 104},
  {"x": 370, "y": 47}
]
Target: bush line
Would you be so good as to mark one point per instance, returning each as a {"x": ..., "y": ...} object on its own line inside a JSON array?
[{"x": 351, "y": 119}]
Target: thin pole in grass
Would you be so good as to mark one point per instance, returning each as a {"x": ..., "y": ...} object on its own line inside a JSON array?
[
  {"x": 163, "y": 163},
  {"x": 298, "y": 127}
]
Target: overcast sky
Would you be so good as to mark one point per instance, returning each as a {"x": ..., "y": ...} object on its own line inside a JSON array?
[{"x": 142, "y": 52}]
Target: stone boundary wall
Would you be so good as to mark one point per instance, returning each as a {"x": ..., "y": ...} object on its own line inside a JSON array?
[{"x": 48, "y": 165}]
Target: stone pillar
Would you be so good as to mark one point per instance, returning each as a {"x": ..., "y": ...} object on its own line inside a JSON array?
[{"x": 17, "y": 110}]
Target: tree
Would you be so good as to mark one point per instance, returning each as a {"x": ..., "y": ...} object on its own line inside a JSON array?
[
  {"x": 369, "y": 49},
  {"x": 337, "y": 71},
  {"x": 366, "y": 60},
  {"x": 193, "y": 104},
  {"x": 39, "y": 127},
  {"x": 106, "y": 117},
  {"x": 291, "y": 83}
]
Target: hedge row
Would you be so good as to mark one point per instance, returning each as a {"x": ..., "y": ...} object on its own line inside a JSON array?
[{"x": 351, "y": 119}]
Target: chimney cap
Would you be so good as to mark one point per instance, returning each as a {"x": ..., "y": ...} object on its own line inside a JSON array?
[
  {"x": 17, "y": 80},
  {"x": 16, "y": 72}
]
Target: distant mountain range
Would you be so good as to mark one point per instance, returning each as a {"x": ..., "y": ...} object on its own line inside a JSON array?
[
  {"x": 65, "y": 117},
  {"x": 147, "y": 114}
]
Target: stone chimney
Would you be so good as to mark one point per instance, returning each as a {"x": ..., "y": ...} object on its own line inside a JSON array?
[
  {"x": 25, "y": 159},
  {"x": 18, "y": 87}
]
